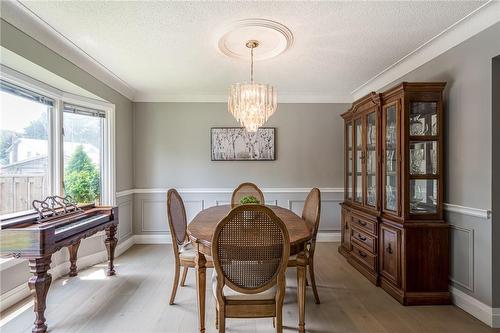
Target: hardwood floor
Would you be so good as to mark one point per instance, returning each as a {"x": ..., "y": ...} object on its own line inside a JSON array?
[{"x": 136, "y": 300}]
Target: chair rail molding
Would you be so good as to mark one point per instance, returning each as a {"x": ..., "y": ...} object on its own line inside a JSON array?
[
  {"x": 227, "y": 190},
  {"x": 454, "y": 208},
  {"x": 476, "y": 212}
]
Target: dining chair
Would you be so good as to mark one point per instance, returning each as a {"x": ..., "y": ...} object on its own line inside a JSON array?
[
  {"x": 184, "y": 251},
  {"x": 311, "y": 214},
  {"x": 244, "y": 190},
  {"x": 250, "y": 249}
]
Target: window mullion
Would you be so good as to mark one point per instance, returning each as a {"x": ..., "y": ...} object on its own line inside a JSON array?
[{"x": 58, "y": 151}]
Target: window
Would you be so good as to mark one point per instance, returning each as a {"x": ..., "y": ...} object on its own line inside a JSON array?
[
  {"x": 83, "y": 132},
  {"x": 24, "y": 146},
  {"x": 53, "y": 143}
]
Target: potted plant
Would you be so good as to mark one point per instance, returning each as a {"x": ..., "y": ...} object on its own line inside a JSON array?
[{"x": 249, "y": 200}]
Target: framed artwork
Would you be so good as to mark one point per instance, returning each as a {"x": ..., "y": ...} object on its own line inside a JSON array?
[{"x": 236, "y": 144}]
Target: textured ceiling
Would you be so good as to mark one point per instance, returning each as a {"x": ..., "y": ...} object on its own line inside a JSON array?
[{"x": 168, "y": 50}]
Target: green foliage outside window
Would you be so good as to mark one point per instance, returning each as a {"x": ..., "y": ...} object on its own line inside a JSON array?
[{"x": 81, "y": 179}]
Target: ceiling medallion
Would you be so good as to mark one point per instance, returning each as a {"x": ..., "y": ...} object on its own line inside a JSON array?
[{"x": 274, "y": 38}]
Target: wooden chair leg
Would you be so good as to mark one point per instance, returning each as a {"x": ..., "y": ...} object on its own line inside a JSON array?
[
  {"x": 176, "y": 282},
  {"x": 222, "y": 321},
  {"x": 216, "y": 317},
  {"x": 274, "y": 322},
  {"x": 313, "y": 280},
  {"x": 279, "y": 319},
  {"x": 184, "y": 273}
]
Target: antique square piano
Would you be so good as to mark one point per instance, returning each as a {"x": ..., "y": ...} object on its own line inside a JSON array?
[{"x": 56, "y": 223}]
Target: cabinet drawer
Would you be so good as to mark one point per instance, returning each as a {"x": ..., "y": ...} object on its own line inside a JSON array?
[
  {"x": 390, "y": 253},
  {"x": 364, "y": 256},
  {"x": 364, "y": 224},
  {"x": 361, "y": 238}
]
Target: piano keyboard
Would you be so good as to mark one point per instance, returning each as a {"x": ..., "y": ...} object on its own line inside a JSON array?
[{"x": 79, "y": 226}]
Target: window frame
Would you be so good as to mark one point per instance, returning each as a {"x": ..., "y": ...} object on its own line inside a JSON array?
[{"x": 56, "y": 138}]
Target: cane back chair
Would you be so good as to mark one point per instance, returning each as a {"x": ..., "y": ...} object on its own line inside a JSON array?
[
  {"x": 311, "y": 214},
  {"x": 250, "y": 249},
  {"x": 246, "y": 189},
  {"x": 184, "y": 252}
]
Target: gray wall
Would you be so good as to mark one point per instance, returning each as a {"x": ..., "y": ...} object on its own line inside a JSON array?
[
  {"x": 495, "y": 185},
  {"x": 17, "y": 41},
  {"x": 172, "y": 147},
  {"x": 468, "y": 154}
]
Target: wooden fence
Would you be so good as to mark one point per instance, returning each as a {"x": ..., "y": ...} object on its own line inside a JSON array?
[{"x": 18, "y": 191}]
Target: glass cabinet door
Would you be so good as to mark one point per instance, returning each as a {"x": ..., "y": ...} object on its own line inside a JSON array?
[
  {"x": 423, "y": 157},
  {"x": 349, "y": 167},
  {"x": 358, "y": 158},
  {"x": 371, "y": 159},
  {"x": 391, "y": 151}
]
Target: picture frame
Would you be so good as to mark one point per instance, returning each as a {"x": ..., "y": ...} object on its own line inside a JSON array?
[{"x": 236, "y": 144}]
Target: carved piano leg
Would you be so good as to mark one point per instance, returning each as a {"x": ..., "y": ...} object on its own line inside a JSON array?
[
  {"x": 110, "y": 246},
  {"x": 73, "y": 251},
  {"x": 39, "y": 285}
]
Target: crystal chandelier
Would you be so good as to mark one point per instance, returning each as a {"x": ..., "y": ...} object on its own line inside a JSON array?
[{"x": 252, "y": 103}]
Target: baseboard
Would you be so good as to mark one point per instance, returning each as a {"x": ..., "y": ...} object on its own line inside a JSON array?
[
  {"x": 496, "y": 318},
  {"x": 165, "y": 238},
  {"x": 153, "y": 239},
  {"x": 329, "y": 236},
  {"x": 488, "y": 315},
  {"x": 22, "y": 291}
]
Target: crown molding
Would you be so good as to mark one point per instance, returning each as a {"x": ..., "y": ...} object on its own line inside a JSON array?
[
  {"x": 27, "y": 21},
  {"x": 220, "y": 98},
  {"x": 31, "y": 24},
  {"x": 213, "y": 190},
  {"x": 477, "y": 21}
]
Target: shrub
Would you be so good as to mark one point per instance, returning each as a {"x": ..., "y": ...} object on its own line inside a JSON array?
[{"x": 81, "y": 179}]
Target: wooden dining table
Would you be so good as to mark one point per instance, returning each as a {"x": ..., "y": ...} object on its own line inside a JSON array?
[{"x": 202, "y": 228}]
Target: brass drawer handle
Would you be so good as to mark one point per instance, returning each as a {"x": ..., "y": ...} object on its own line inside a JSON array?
[
  {"x": 360, "y": 237},
  {"x": 363, "y": 223},
  {"x": 362, "y": 254},
  {"x": 389, "y": 249}
]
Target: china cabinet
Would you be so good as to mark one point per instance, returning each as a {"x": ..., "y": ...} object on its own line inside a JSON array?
[{"x": 393, "y": 230}]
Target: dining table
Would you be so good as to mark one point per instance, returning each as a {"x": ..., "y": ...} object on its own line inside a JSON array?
[{"x": 201, "y": 231}]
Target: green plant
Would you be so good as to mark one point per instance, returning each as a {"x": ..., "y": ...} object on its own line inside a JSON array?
[
  {"x": 81, "y": 179},
  {"x": 249, "y": 199}
]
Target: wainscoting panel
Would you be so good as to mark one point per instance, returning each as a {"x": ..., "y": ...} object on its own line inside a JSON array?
[
  {"x": 470, "y": 259},
  {"x": 154, "y": 215},
  {"x": 125, "y": 212},
  {"x": 193, "y": 207},
  {"x": 462, "y": 259},
  {"x": 150, "y": 217}
]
